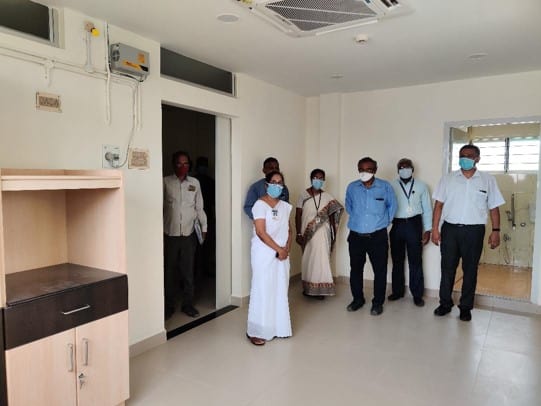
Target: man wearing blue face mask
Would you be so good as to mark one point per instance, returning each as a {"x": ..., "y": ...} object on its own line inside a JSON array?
[
  {"x": 258, "y": 188},
  {"x": 371, "y": 205},
  {"x": 464, "y": 198},
  {"x": 411, "y": 230}
]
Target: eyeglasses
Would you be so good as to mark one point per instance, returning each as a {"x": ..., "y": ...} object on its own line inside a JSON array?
[{"x": 179, "y": 164}]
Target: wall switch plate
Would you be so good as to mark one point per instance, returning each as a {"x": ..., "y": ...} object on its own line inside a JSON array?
[{"x": 110, "y": 155}]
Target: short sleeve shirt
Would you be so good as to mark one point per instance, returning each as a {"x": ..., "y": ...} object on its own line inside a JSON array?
[{"x": 467, "y": 201}]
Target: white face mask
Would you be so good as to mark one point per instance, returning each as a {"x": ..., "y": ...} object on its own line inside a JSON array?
[
  {"x": 366, "y": 176},
  {"x": 405, "y": 173}
]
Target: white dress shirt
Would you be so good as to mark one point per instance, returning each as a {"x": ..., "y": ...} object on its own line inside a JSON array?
[
  {"x": 467, "y": 201},
  {"x": 182, "y": 205}
]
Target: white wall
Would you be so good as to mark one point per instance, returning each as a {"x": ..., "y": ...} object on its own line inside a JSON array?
[
  {"x": 266, "y": 120},
  {"x": 409, "y": 122}
]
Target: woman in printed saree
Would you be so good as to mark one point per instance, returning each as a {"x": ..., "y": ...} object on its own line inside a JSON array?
[{"x": 317, "y": 218}]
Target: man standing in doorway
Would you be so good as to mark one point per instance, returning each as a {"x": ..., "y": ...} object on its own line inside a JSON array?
[
  {"x": 411, "y": 230},
  {"x": 463, "y": 200},
  {"x": 371, "y": 205},
  {"x": 258, "y": 188},
  {"x": 182, "y": 207}
]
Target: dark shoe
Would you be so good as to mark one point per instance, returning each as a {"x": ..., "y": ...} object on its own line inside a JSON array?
[
  {"x": 442, "y": 310},
  {"x": 394, "y": 296},
  {"x": 465, "y": 315},
  {"x": 190, "y": 310},
  {"x": 168, "y": 313},
  {"x": 355, "y": 305},
  {"x": 418, "y": 301},
  {"x": 376, "y": 310}
]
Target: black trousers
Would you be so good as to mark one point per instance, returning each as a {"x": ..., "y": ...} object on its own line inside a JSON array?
[
  {"x": 460, "y": 242},
  {"x": 376, "y": 245},
  {"x": 406, "y": 234},
  {"x": 179, "y": 253}
]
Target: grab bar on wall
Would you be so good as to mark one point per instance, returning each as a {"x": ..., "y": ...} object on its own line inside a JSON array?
[{"x": 513, "y": 224}]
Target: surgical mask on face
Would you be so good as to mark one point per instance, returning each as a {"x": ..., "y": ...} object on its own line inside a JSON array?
[
  {"x": 366, "y": 176},
  {"x": 405, "y": 173},
  {"x": 466, "y": 163},
  {"x": 181, "y": 171},
  {"x": 317, "y": 183},
  {"x": 274, "y": 190}
]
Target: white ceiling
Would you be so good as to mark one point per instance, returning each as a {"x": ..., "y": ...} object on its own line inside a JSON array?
[{"x": 432, "y": 44}]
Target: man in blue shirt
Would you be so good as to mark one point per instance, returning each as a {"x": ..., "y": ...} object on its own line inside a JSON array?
[
  {"x": 411, "y": 230},
  {"x": 258, "y": 188},
  {"x": 371, "y": 205}
]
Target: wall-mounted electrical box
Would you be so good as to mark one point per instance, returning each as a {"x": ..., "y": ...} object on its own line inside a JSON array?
[{"x": 127, "y": 60}]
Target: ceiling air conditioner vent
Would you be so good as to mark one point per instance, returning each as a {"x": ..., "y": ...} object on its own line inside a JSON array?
[{"x": 313, "y": 17}]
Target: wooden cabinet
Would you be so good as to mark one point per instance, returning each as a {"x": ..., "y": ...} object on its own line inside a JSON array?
[
  {"x": 63, "y": 288},
  {"x": 83, "y": 366}
]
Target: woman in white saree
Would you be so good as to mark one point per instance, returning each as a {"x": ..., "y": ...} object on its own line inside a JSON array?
[{"x": 268, "y": 311}]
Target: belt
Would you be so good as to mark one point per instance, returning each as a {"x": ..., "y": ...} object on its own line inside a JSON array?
[
  {"x": 398, "y": 220},
  {"x": 463, "y": 225},
  {"x": 367, "y": 235}
]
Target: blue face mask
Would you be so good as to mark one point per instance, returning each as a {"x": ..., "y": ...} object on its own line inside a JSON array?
[
  {"x": 274, "y": 190},
  {"x": 466, "y": 163},
  {"x": 317, "y": 183}
]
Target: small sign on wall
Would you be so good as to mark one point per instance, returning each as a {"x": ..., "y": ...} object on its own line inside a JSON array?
[
  {"x": 48, "y": 102},
  {"x": 138, "y": 158}
]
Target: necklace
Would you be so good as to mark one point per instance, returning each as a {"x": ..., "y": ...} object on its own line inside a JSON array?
[{"x": 318, "y": 203}]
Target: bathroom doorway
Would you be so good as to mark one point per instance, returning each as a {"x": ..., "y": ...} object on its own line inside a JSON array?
[{"x": 509, "y": 151}]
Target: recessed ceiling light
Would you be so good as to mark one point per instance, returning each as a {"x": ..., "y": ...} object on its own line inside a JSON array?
[
  {"x": 337, "y": 76},
  {"x": 228, "y": 18},
  {"x": 477, "y": 56}
]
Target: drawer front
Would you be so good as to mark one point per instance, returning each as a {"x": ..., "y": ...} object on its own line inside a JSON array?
[{"x": 35, "y": 319}]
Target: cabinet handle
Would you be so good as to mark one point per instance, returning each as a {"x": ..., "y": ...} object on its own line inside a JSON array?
[
  {"x": 85, "y": 351},
  {"x": 70, "y": 358},
  {"x": 76, "y": 310}
]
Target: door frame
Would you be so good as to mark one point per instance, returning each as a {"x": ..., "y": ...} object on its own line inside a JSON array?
[{"x": 535, "y": 293}]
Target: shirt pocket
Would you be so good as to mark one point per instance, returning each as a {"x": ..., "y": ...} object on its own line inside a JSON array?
[
  {"x": 377, "y": 205},
  {"x": 481, "y": 198}
]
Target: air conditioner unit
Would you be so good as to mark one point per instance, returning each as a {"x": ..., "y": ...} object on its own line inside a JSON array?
[{"x": 301, "y": 18}]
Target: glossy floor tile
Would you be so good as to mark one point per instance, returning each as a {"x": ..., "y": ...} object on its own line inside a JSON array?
[{"x": 406, "y": 356}]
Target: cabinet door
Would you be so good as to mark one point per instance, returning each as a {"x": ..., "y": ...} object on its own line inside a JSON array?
[
  {"x": 103, "y": 361},
  {"x": 43, "y": 372}
]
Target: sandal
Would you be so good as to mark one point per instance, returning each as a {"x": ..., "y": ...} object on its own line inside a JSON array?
[{"x": 256, "y": 340}]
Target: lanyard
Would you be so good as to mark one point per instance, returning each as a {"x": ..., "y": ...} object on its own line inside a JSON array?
[{"x": 404, "y": 189}]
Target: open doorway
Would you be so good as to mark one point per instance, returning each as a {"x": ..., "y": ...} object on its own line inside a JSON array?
[
  {"x": 195, "y": 133},
  {"x": 509, "y": 151}
]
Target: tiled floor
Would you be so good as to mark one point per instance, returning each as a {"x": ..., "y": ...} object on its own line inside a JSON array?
[
  {"x": 204, "y": 302},
  {"x": 406, "y": 356},
  {"x": 501, "y": 281}
]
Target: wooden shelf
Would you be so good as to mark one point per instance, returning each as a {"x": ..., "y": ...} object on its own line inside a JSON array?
[
  {"x": 54, "y": 179},
  {"x": 19, "y": 183}
]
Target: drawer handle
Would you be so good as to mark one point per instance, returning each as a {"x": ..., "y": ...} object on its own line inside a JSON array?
[{"x": 76, "y": 310}]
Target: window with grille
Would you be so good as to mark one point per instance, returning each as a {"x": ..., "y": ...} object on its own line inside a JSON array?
[{"x": 505, "y": 154}]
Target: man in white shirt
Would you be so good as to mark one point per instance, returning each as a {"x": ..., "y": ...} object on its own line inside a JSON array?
[
  {"x": 411, "y": 231},
  {"x": 182, "y": 207},
  {"x": 464, "y": 198}
]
